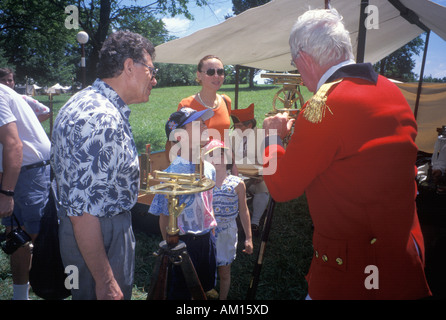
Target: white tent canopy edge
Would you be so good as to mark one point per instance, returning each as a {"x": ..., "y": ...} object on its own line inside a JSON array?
[{"x": 258, "y": 37}]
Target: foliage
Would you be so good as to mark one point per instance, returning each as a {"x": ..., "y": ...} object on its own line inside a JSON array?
[
  {"x": 399, "y": 64},
  {"x": 39, "y": 46},
  {"x": 35, "y": 42},
  {"x": 172, "y": 75},
  {"x": 242, "y": 5},
  {"x": 431, "y": 79},
  {"x": 102, "y": 16}
]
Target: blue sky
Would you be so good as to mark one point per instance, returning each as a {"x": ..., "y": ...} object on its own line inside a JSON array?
[{"x": 214, "y": 13}]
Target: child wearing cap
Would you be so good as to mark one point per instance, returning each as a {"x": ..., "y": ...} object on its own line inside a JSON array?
[
  {"x": 186, "y": 130},
  {"x": 229, "y": 201}
]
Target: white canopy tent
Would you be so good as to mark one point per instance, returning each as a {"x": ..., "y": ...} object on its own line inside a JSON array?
[
  {"x": 57, "y": 89},
  {"x": 258, "y": 37}
]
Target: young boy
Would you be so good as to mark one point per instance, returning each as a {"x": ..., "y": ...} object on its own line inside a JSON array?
[{"x": 186, "y": 130}]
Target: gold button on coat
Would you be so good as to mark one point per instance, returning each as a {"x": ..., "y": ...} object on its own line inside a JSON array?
[
  {"x": 324, "y": 258},
  {"x": 339, "y": 261},
  {"x": 373, "y": 241}
]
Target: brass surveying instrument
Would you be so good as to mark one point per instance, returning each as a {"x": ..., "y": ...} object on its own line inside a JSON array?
[
  {"x": 289, "y": 95},
  {"x": 173, "y": 251}
]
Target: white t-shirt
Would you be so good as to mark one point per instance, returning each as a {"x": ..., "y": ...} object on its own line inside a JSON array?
[{"x": 13, "y": 108}]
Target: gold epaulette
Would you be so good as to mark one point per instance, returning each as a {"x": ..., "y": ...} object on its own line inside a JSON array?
[{"x": 315, "y": 109}]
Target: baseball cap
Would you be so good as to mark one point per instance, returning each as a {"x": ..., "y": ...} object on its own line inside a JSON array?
[
  {"x": 215, "y": 144},
  {"x": 184, "y": 116}
]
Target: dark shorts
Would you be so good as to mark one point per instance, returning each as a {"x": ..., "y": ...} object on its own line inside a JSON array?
[{"x": 201, "y": 250}]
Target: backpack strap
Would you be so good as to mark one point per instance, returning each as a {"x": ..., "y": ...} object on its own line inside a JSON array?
[{"x": 226, "y": 103}]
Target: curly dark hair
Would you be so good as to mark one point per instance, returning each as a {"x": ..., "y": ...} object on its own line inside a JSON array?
[{"x": 117, "y": 48}]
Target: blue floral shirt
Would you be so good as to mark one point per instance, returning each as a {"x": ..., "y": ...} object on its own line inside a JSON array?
[{"x": 93, "y": 154}]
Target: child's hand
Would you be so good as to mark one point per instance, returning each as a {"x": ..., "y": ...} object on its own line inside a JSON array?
[{"x": 248, "y": 247}]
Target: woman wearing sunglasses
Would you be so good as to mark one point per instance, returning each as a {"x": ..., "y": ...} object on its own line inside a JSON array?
[{"x": 211, "y": 74}]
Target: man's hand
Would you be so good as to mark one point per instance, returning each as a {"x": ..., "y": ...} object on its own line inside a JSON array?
[
  {"x": 6, "y": 205},
  {"x": 108, "y": 290},
  {"x": 88, "y": 234},
  {"x": 279, "y": 122}
]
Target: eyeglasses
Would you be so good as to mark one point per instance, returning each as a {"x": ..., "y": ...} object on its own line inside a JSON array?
[
  {"x": 152, "y": 70},
  {"x": 211, "y": 72}
]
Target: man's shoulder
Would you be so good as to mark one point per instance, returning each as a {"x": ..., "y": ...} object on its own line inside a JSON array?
[{"x": 89, "y": 103}]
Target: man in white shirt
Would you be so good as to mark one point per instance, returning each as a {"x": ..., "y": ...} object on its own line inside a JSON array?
[{"x": 25, "y": 183}]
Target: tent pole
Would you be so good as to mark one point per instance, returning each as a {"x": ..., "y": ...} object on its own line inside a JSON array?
[
  {"x": 420, "y": 81},
  {"x": 237, "y": 80},
  {"x": 327, "y": 4},
  {"x": 360, "y": 52}
]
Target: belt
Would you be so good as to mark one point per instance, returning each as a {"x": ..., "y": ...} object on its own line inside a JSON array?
[
  {"x": 37, "y": 165},
  {"x": 191, "y": 236}
]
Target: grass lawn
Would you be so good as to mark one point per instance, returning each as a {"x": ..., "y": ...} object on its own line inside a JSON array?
[{"x": 288, "y": 250}]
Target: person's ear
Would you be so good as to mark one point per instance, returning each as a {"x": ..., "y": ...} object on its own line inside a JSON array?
[{"x": 129, "y": 66}]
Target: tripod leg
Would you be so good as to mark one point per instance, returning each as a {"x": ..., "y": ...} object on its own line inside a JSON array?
[
  {"x": 157, "y": 290},
  {"x": 191, "y": 277},
  {"x": 258, "y": 267}
]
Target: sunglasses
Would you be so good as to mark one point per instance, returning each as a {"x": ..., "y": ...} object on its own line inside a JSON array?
[
  {"x": 152, "y": 70},
  {"x": 211, "y": 72}
]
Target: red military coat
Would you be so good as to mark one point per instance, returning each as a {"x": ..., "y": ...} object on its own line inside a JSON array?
[{"x": 356, "y": 165}]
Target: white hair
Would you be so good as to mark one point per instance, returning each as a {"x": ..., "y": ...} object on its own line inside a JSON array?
[{"x": 322, "y": 34}]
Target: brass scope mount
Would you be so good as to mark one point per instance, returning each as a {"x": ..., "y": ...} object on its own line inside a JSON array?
[
  {"x": 289, "y": 95},
  {"x": 176, "y": 184},
  {"x": 172, "y": 250}
]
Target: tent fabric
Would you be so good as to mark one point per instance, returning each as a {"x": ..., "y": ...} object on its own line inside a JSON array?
[
  {"x": 259, "y": 36},
  {"x": 431, "y": 111}
]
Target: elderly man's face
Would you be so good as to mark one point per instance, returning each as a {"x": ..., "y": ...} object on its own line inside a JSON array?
[{"x": 145, "y": 80}]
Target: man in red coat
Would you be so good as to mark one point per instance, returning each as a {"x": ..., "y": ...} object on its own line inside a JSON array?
[{"x": 353, "y": 154}]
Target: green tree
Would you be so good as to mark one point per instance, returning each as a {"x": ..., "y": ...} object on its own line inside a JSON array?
[
  {"x": 238, "y": 6},
  {"x": 399, "y": 64},
  {"x": 39, "y": 46},
  {"x": 35, "y": 42},
  {"x": 98, "y": 18}
]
